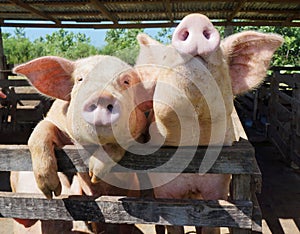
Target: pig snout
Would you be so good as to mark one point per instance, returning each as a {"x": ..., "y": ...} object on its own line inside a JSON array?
[
  {"x": 101, "y": 110},
  {"x": 196, "y": 35}
]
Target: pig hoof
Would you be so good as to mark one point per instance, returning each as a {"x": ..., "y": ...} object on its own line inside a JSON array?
[
  {"x": 48, "y": 191},
  {"x": 95, "y": 179},
  {"x": 49, "y": 186},
  {"x": 99, "y": 169}
]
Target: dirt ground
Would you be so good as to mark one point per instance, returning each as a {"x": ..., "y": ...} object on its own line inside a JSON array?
[{"x": 279, "y": 199}]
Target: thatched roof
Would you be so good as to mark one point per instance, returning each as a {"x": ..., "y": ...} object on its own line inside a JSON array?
[{"x": 145, "y": 13}]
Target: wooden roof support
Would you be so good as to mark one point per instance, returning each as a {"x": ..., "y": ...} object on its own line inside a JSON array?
[
  {"x": 101, "y": 7},
  {"x": 168, "y": 7},
  {"x": 236, "y": 10},
  {"x": 292, "y": 17},
  {"x": 27, "y": 7},
  {"x": 2, "y": 59},
  {"x": 144, "y": 25}
]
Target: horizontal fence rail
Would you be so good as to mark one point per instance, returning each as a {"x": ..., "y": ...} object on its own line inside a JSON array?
[
  {"x": 236, "y": 159},
  {"x": 241, "y": 211},
  {"x": 112, "y": 209}
]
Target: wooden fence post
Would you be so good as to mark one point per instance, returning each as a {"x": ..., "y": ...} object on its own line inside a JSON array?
[
  {"x": 295, "y": 137},
  {"x": 2, "y": 58}
]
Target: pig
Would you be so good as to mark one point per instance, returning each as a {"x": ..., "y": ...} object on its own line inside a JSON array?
[
  {"x": 94, "y": 103},
  {"x": 193, "y": 83}
]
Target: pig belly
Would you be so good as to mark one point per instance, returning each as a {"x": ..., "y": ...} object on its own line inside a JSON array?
[
  {"x": 193, "y": 186},
  {"x": 24, "y": 182}
]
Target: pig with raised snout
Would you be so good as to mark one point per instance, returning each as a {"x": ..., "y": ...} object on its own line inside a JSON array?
[
  {"x": 193, "y": 83},
  {"x": 95, "y": 104}
]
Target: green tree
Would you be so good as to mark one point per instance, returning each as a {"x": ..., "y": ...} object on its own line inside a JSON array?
[
  {"x": 17, "y": 47},
  {"x": 65, "y": 44},
  {"x": 164, "y": 35},
  {"x": 122, "y": 43}
]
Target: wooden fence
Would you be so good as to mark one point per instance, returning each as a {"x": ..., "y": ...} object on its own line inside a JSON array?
[
  {"x": 284, "y": 114},
  {"x": 21, "y": 110},
  {"x": 241, "y": 213},
  {"x": 275, "y": 105}
]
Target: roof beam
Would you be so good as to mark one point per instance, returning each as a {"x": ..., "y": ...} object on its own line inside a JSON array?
[
  {"x": 293, "y": 16},
  {"x": 168, "y": 8},
  {"x": 207, "y": 1},
  {"x": 293, "y": 13},
  {"x": 101, "y": 7},
  {"x": 236, "y": 10},
  {"x": 34, "y": 11},
  {"x": 148, "y": 25}
]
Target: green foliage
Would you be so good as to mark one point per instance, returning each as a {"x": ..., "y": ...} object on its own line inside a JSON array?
[
  {"x": 18, "y": 48},
  {"x": 164, "y": 35},
  {"x": 122, "y": 43},
  {"x": 65, "y": 44}
]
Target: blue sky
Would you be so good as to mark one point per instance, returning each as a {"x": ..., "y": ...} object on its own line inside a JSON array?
[{"x": 97, "y": 35}]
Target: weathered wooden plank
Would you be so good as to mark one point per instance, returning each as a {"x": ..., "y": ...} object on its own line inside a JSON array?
[
  {"x": 282, "y": 68},
  {"x": 256, "y": 215},
  {"x": 241, "y": 190},
  {"x": 283, "y": 113},
  {"x": 14, "y": 82},
  {"x": 281, "y": 129},
  {"x": 280, "y": 144},
  {"x": 128, "y": 210},
  {"x": 284, "y": 96},
  {"x": 29, "y": 96},
  {"x": 287, "y": 79},
  {"x": 237, "y": 159}
]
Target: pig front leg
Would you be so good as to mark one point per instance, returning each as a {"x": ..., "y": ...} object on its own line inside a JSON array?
[
  {"x": 42, "y": 142},
  {"x": 103, "y": 160}
]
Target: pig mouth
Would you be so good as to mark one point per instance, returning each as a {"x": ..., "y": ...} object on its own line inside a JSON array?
[{"x": 201, "y": 59}]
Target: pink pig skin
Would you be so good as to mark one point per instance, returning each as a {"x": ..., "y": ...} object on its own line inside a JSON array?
[
  {"x": 237, "y": 64},
  {"x": 99, "y": 86}
]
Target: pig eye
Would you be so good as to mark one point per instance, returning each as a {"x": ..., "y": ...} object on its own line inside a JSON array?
[
  {"x": 79, "y": 79},
  {"x": 126, "y": 82}
]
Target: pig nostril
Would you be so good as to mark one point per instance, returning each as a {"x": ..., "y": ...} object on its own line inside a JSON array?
[
  {"x": 206, "y": 34},
  {"x": 110, "y": 107},
  {"x": 92, "y": 107},
  {"x": 184, "y": 35}
]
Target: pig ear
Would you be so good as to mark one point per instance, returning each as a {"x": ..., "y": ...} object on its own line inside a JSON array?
[
  {"x": 50, "y": 75},
  {"x": 248, "y": 55},
  {"x": 145, "y": 40}
]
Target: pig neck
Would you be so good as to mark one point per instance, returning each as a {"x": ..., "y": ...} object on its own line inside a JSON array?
[{"x": 218, "y": 68}]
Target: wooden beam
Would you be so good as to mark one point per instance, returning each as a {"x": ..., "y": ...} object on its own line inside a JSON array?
[
  {"x": 168, "y": 8},
  {"x": 236, "y": 10},
  {"x": 237, "y": 159},
  {"x": 207, "y": 1},
  {"x": 101, "y": 7},
  {"x": 27, "y": 7},
  {"x": 2, "y": 58},
  {"x": 111, "y": 209},
  {"x": 293, "y": 13},
  {"x": 147, "y": 25},
  {"x": 292, "y": 17}
]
